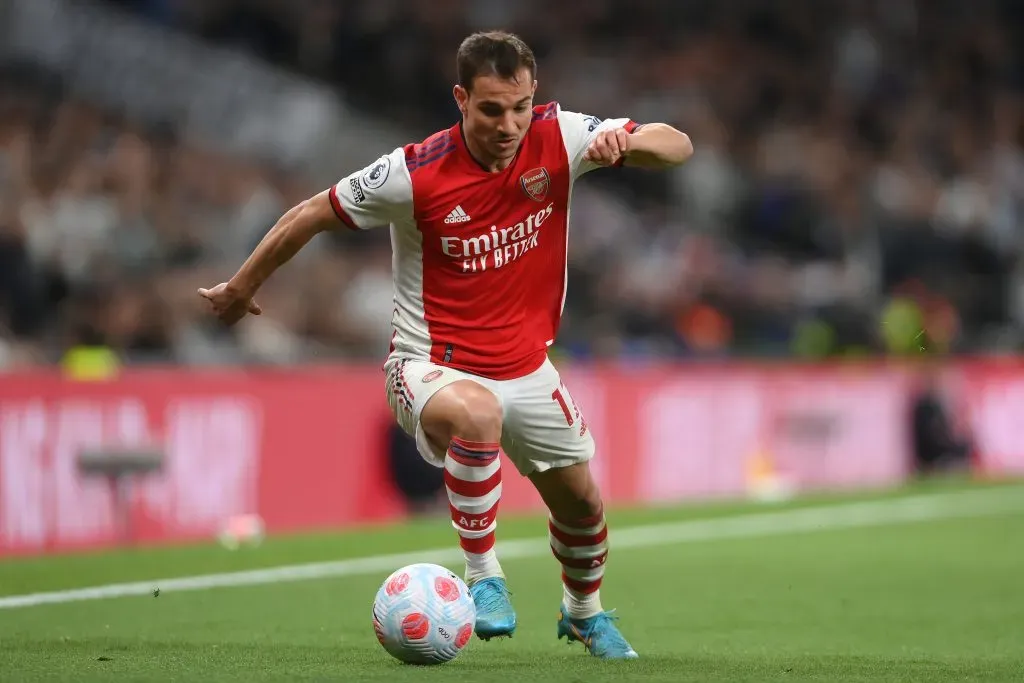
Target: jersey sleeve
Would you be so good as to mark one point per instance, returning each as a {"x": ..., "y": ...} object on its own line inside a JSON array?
[
  {"x": 375, "y": 196},
  {"x": 579, "y": 130}
]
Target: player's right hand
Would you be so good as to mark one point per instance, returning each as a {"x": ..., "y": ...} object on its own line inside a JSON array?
[{"x": 229, "y": 304}]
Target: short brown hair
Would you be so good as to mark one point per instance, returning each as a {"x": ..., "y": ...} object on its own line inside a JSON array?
[{"x": 494, "y": 53}]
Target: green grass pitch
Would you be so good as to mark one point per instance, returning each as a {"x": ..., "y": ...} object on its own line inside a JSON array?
[{"x": 734, "y": 594}]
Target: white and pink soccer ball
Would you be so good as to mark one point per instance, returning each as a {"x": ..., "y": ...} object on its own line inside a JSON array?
[{"x": 424, "y": 614}]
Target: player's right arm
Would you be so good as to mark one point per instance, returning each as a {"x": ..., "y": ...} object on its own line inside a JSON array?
[{"x": 374, "y": 196}]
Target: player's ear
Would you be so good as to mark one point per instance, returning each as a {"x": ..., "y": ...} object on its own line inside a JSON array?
[{"x": 461, "y": 97}]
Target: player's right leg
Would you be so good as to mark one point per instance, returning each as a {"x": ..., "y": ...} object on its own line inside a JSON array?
[{"x": 457, "y": 423}]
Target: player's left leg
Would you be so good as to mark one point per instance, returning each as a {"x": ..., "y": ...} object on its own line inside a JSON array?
[
  {"x": 548, "y": 440},
  {"x": 579, "y": 541}
]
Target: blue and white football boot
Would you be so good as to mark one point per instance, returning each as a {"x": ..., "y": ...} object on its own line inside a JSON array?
[
  {"x": 495, "y": 617},
  {"x": 598, "y": 633}
]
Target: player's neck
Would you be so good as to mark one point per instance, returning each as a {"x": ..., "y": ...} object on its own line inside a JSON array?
[{"x": 481, "y": 158}]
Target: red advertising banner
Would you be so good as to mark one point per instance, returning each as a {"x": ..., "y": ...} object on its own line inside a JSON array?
[
  {"x": 302, "y": 448},
  {"x": 990, "y": 400},
  {"x": 306, "y": 448}
]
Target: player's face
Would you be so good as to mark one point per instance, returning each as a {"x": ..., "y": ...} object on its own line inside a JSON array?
[{"x": 497, "y": 112}]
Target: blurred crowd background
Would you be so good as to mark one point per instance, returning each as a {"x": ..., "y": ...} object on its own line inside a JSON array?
[{"x": 858, "y": 176}]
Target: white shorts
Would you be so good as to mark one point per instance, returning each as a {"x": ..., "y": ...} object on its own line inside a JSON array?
[{"x": 542, "y": 428}]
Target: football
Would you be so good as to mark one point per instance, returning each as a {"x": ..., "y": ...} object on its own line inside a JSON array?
[{"x": 423, "y": 614}]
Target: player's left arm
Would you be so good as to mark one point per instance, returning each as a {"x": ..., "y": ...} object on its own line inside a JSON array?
[
  {"x": 592, "y": 143},
  {"x": 657, "y": 145},
  {"x": 652, "y": 145}
]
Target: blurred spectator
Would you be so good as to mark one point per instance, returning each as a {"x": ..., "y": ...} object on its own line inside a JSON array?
[
  {"x": 420, "y": 483},
  {"x": 937, "y": 446}
]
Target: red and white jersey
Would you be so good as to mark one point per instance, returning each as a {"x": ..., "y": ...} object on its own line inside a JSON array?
[{"x": 479, "y": 258}]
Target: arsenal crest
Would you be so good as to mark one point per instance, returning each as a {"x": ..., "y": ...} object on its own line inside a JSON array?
[{"x": 536, "y": 184}]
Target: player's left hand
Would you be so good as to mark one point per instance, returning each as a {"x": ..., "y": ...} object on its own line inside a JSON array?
[{"x": 608, "y": 147}]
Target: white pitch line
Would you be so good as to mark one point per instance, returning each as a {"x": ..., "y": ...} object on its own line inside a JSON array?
[{"x": 920, "y": 508}]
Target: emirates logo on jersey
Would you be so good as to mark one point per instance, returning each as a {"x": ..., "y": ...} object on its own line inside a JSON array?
[
  {"x": 536, "y": 183},
  {"x": 497, "y": 247}
]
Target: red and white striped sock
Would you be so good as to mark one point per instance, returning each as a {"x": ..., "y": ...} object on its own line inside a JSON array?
[
  {"x": 472, "y": 475},
  {"x": 582, "y": 548}
]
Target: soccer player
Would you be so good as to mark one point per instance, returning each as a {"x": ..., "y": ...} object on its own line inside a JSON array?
[{"x": 479, "y": 217}]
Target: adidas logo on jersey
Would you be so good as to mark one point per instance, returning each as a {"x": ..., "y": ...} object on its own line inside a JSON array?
[{"x": 457, "y": 215}]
